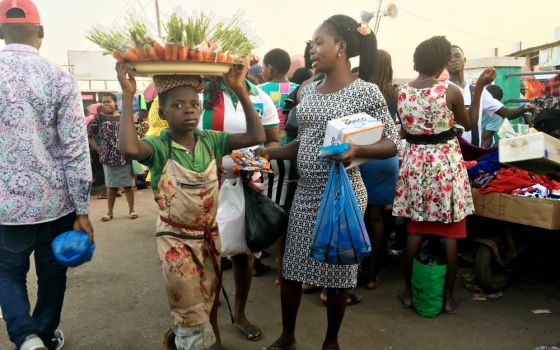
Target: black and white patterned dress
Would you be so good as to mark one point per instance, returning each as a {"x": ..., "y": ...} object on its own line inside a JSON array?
[{"x": 314, "y": 111}]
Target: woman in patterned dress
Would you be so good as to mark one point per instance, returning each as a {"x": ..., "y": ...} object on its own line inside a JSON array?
[
  {"x": 433, "y": 190},
  {"x": 339, "y": 94}
]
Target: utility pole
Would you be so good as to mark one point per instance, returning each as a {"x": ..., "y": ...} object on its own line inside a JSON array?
[
  {"x": 158, "y": 19},
  {"x": 378, "y": 16}
]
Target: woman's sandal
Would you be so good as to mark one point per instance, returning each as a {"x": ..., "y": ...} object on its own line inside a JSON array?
[
  {"x": 251, "y": 331},
  {"x": 133, "y": 216},
  {"x": 106, "y": 218},
  {"x": 351, "y": 299},
  {"x": 372, "y": 285},
  {"x": 403, "y": 301}
]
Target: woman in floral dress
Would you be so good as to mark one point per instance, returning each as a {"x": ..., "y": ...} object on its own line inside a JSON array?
[{"x": 433, "y": 190}]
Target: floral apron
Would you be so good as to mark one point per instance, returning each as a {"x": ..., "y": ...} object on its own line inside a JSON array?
[{"x": 187, "y": 239}]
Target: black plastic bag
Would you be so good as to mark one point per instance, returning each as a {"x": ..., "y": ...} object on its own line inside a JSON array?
[{"x": 265, "y": 221}]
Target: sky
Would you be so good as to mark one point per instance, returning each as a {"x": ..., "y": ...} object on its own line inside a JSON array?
[{"x": 478, "y": 26}]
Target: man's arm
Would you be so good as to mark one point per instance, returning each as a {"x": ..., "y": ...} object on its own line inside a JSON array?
[{"x": 74, "y": 143}]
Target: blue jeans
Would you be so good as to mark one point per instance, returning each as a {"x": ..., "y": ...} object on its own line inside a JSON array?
[{"x": 16, "y": 245}]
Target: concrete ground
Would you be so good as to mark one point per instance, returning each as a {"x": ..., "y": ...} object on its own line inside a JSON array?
[{"x": 118, "y": 302}]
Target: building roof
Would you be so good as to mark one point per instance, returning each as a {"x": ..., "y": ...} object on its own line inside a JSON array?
[{"x": 529, "y": 50}]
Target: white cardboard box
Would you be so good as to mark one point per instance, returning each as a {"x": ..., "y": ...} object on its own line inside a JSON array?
[
  {"x": 537, "y": 153},
  {"x": 359, "y": 129}
]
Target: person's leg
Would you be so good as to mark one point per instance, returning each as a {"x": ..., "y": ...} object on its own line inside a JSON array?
[
  {"x": 129, "y": 192},
  {"x": 376, "y": 232},
  {"x": 51, "y": 278},
  {"x": 336, "y": 305},
  {"x": 16, "y": 244},
  {"x": 214, "y": 317},
  {"x": 111, "y": 197},
  {"x": 290, "y": 296},
  {"x": 451, "y": 255},
  {"x": 243, "y": 275},
  {"x": 413, "y": 241}
]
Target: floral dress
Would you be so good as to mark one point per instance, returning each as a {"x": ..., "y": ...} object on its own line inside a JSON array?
[{"x": 433, "y": 185}]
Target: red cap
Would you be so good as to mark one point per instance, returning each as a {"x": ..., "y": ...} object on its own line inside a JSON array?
[{"x": 28, "y": 13}]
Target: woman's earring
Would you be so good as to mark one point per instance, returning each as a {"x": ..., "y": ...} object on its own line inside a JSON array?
[{"x": 339, "y": 54}]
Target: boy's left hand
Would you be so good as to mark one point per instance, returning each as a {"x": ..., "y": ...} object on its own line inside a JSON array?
[{"x": 235, "y": 78}]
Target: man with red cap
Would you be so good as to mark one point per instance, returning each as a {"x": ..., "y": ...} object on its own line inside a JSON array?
[{"x": 45, "y": 176}]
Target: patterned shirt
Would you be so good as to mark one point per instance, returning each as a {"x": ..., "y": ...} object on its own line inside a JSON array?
[
  {"x": 278, "y": 93},
  {"x": 106, "y": 129},
  {"x": 45, "y": 170}
]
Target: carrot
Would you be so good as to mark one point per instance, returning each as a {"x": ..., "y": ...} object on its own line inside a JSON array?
[
  {"x": 182, "y": 53},
  {"x": 192, "y": 55},
  {"x": 117, "y": 55},
  {"x": 212, "y": 58},
  {"x": 169, "y": 52},
  {"x": 221, "y": 57},
  {"x": 131, "y": 55},
  {"x": 199, "y": 56},
  {"x": 175, "y": 53},
  {"x": 205, "y": 55},
  {"x": 152, "y": 53},
  {"x": 230, "y": 59},
  {"x": 159, "y": 49}
]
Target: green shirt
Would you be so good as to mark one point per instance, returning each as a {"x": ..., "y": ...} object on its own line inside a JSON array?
[{"x": 217, "y": 142}]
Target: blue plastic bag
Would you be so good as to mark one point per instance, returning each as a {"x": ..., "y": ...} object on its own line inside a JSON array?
[
  {"x": 340, "y": 236},
  {"x": 72, "y": 248}
]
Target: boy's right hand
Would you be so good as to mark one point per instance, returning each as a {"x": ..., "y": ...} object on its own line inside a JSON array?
[
  {"x": 262, "y": 152},
  {"x": 125, "y": 75}
]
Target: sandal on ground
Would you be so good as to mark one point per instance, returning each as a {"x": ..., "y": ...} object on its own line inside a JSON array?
[
  {"x": 251, "y": 332},
  {"x": 403, "y": 301},
  {"x": 102, "y": 196},
  {"x": 372, "y": 285},
  {"x": 106, "y": 218},
  {"x": 169, "y": 341},
  {"x": 351, "y": 299},
  {"x": 133, "y": 216},
  {"x": 274, "y": 347},
  {"x": 453, "y": 309},
  {"x": 260, "y": 268},
  {"x": 309, "y": 289}
]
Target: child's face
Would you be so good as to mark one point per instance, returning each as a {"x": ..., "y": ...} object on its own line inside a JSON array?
[{"x": 182, "y": 109}]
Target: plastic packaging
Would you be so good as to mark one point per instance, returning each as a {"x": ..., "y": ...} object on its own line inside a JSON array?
[{"x": 72, "y": 248}]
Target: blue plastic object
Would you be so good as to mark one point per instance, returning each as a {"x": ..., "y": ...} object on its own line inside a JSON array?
[
  {"x": 339, "y": 236},
  {"x": 72, "y": 248},
  {"x": 333, "y": 150}
]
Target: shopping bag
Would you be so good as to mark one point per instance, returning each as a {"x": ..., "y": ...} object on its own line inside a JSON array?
[
  {"x": 265, "y": 221},
  {"x": 137, "y": 168},
  {"x": 231, "y": 218},
  {"x": 339, "y": 236},
  {"x": 428, "y": 279}
]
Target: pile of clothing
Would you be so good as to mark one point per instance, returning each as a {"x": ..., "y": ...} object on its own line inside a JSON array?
[{"x": 488, "y": 175}]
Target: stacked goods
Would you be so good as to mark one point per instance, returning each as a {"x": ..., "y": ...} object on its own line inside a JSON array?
[{"x": 189, "y": 39}]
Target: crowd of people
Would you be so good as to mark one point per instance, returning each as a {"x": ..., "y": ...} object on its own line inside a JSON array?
[{"x": 194, "y": 124}]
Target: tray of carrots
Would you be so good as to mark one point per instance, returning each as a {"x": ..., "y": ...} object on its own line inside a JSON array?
[{"x": 192, "y": 45}]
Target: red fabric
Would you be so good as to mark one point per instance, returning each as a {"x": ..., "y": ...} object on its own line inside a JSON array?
[
  {"x": 471, "y": 152},
  {"x": 552, "y": 86},
  {"x": 533, "y": 89},
  {"x": 31, "y": 14},
  {"x": 218, "y": 115},
  {"x": 452, "y": 230},
  {"x": 510, "y": 179}
]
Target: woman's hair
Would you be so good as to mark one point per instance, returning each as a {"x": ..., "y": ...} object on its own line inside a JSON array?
[
  {"x": 108, "y": 94},
  {"x": 279, "y": 60},
  {"x": 383, "y": 74},
  {"x": 432, "y": 55},
  {"x": 300, "y": 75},
  {"x": 345, "y": 28}
]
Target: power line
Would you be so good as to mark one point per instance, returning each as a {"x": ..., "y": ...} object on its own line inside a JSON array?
[{"x": 453, "y": 28}]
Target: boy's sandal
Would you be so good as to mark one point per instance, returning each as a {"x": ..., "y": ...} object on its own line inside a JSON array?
[
  {"x": 133, "y": 216},
  {"x": 453, "y": 309},
  {"x": 106, "y": 218}
]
